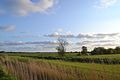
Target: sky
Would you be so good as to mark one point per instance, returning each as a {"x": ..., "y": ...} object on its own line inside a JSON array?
[{"x": 35, "y": 25}]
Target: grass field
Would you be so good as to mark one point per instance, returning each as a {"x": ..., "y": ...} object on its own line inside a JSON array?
[
  {"x": 29, "y": 68},
  {"x": 110, "y": 56},
  {"x": 101, "y": 59}
]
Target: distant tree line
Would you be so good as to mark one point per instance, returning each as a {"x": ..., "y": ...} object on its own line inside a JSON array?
[
  {"x": 2, "y": 51},
  {"x": 102, "y": 50}
]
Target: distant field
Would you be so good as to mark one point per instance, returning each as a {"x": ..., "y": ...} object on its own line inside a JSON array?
[
  {"x": 102, "y": 59},
  {"x": 110, "y": 56}
]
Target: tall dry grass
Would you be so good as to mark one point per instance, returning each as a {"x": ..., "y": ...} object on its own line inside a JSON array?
[{"x": 40, "y": 70}]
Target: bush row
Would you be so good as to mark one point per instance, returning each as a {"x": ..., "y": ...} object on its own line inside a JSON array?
[{"x": 84, "y": 60}]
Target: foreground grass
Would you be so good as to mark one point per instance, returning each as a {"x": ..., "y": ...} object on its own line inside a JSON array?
[
  {"x": 4, "y": 75},
  {"x": 40, "y": 69}
]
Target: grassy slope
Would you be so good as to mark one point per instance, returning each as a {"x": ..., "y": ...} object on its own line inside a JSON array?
[
  {"x": 88, "y": 66},
  {"x": 83, "y": 66}
]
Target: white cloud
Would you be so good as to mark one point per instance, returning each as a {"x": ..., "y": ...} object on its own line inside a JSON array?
[
  {"x": 57, "y": 35},
  {"x": 7, "y": 28},
  {"x": 105, "y": 3},
  {"x": 24, "y": 7},
  {"x": 106, "y": 45},
  {"x": 85, "y": 35},
  {"x": 69, "y": 34},
  {"x": 97, "y": 35},
  {"x": 27, "y": 43},
  {"x": 91, "y": 42},
  {"x": 60, "y": 30},
  {"x": 106, "y": 34}
]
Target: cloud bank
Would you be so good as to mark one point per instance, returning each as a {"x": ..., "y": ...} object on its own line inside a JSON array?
[
  {"x": 58, "y": 35},
  {"x": 90, "y": 40},
  {"x": 83, "y": 35},
  {"x": 74, "y": 41},
  {"x": 24, "y": 7},
  {"x": 27, "y": 43}
]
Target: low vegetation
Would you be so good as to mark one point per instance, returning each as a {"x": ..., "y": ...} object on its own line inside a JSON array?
[{"x": 4, "y": 75}]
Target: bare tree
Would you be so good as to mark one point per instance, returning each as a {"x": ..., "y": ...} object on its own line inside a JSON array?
[{"x": 61, "y": 46}]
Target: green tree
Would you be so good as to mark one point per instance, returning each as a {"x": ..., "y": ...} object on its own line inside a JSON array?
[
  {"x": 98, "y": 50},
  {"x": 84, "y": 50},
  {"x": 110, "y": 51},
  {"x": 117, "y": 50}
]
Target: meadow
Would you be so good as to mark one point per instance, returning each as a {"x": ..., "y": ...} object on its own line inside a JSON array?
[
  {"x": 74, "y": 57},
  {"x": 28, "y": 67}
]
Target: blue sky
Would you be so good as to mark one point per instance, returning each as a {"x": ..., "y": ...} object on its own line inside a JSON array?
[{"x": 35, "y": 25}]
